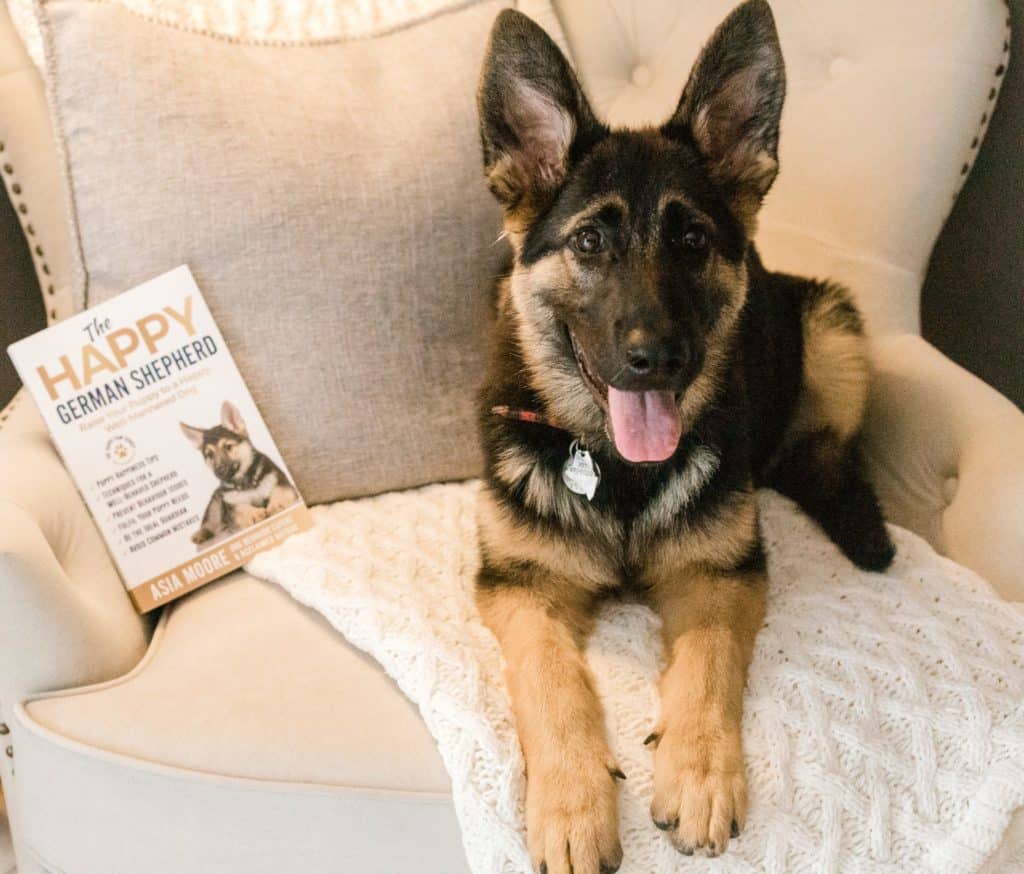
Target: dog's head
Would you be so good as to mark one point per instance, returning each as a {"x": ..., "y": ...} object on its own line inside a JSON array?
[
  {"x": 630, "y": 246},
  {"x": 225, "y": 447}
]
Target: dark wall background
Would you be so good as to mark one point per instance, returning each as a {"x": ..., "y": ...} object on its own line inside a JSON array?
[
  {"x": 21, "y": 305},
  {"x": 972, "y": 307},
  {"x": 973, "y": 302}
]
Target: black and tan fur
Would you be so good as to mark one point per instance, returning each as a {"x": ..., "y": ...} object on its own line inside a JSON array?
[
  {"x": 252, "y": 488},
  {"x": 769, "y": 372}
]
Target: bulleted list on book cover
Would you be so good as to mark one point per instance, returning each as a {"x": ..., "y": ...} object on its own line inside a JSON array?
[{"x": 147, "y": 407}]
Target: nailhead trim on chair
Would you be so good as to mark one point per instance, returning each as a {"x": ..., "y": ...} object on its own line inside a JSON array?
[
  {"x": 5, "y": 414},
  {"x": 38, "y": 255},
  {"x": 987, "y": 115}
]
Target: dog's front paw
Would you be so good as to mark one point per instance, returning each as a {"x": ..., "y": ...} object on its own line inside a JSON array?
[
  {"x": 873, "y": 550},
  {"x": 700, "y": 789},
  {"x": 244, "y": 515},
  {"x": 572, "y": 819}
]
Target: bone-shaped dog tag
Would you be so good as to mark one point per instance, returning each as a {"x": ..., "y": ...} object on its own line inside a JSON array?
[{"x": 580, "y": 472}]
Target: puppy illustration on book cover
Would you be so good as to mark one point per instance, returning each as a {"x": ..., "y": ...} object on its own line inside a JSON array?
[{"x": 252, "y": 488}]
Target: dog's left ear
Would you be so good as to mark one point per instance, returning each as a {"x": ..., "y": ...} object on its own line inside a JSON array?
[
  {"x": 533, "y": 115},
  {"x": 732, "y": 104},
  {"x": 231, "y": 419}
]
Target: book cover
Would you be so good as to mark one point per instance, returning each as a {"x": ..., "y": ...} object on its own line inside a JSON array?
[{"x": 151, "y": 416}]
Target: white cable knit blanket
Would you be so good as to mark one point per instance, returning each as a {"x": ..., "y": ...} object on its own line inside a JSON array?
[{"x": 884, "y": 725}]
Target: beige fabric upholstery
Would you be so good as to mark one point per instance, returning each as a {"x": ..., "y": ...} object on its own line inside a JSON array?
[
  {"x": 227, "y": 793},
  {"x": 249, "y": 709},
  {"x": 96, "y": 812},
  {"x": 242, "y": 681},
  {"x": 57, "y": 582},
  {"x": 947, "y": 455},
  {"x": 66, "y": 617}
]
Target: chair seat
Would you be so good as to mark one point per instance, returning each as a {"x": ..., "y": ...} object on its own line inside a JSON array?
[{"x": 246, "y": 700}]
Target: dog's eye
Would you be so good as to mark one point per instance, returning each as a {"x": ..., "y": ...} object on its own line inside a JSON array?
[
  {"x": 588, "y": 241},
  {"x": 695, "y": 238}
]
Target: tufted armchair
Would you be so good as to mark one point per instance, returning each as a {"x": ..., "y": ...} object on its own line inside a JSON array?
[{"x": 233, "y": 716}]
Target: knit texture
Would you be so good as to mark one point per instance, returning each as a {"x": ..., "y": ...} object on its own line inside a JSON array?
[{"x": 884, "y": 723}]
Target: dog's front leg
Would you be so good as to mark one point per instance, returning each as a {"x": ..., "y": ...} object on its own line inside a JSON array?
[
  {"x": 710, "y": 617},
  {"x": 571, "y": 797}
]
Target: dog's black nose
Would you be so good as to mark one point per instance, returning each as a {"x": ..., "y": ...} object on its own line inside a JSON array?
[{"x": 649, "y": 355}]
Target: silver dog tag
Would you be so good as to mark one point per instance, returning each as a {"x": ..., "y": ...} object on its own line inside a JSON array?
[{"x": 580, "y": 472}]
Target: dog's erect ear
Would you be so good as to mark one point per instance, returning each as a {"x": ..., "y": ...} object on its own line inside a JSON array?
[
  {"x": 732, "y": 103},
  {"x": 231, "y": 419},
  {"x": 533, "y": 115},
  {"x": 195, "y": 435}
]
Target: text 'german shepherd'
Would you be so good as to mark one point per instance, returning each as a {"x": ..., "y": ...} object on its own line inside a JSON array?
[{"x": 639, "y": 320}]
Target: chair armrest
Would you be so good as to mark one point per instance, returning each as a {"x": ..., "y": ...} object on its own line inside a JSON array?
[
  {"x": 946, "y": 454},
  {"x": 65, "y": 618}
]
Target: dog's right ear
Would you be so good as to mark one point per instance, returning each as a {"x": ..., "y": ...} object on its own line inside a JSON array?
[
  {"x": 231, "y": 419},
  {"x": 533, "y": 115},
  {"x": 732, "y": 105},
  {"x": 194, "y": 435}
]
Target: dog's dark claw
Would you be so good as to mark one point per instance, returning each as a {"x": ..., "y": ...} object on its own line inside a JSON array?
[
  {"x": 734, "y": 829},
  {"x": 666, "y": 826},
  {"x": 543, "y": 868},
  {"x": 612, "y": 863},
  {"x": 617, "y": 773},
  {"x": 685, "y": 849},
  {"x": 652, "y": 738}
]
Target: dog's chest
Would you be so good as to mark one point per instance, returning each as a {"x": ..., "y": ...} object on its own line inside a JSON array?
[
  {"x": 629, "y": 511},
  {"x": 255, "y": 473}
]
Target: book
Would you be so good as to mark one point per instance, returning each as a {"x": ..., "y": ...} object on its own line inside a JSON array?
[{"x": 154, "y": 422}]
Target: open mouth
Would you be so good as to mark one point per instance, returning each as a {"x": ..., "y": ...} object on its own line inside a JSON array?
[
  {"x": 598, "y": 387},
  {"x": 645, "y": 426}
]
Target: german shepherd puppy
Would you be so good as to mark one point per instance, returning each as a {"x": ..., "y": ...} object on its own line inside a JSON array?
[
  {"x": 639, "y": 320},
  {"x": 252, "y": 488}
]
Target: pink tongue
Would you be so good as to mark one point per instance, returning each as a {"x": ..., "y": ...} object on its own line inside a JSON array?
[{"x": 645, "y": 424}]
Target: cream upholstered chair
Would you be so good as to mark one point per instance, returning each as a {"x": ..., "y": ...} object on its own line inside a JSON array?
[{"x": 243, "y": 734}]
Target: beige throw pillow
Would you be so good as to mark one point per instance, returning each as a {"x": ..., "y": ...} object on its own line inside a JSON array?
[{"x": 329, "y": 199}]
